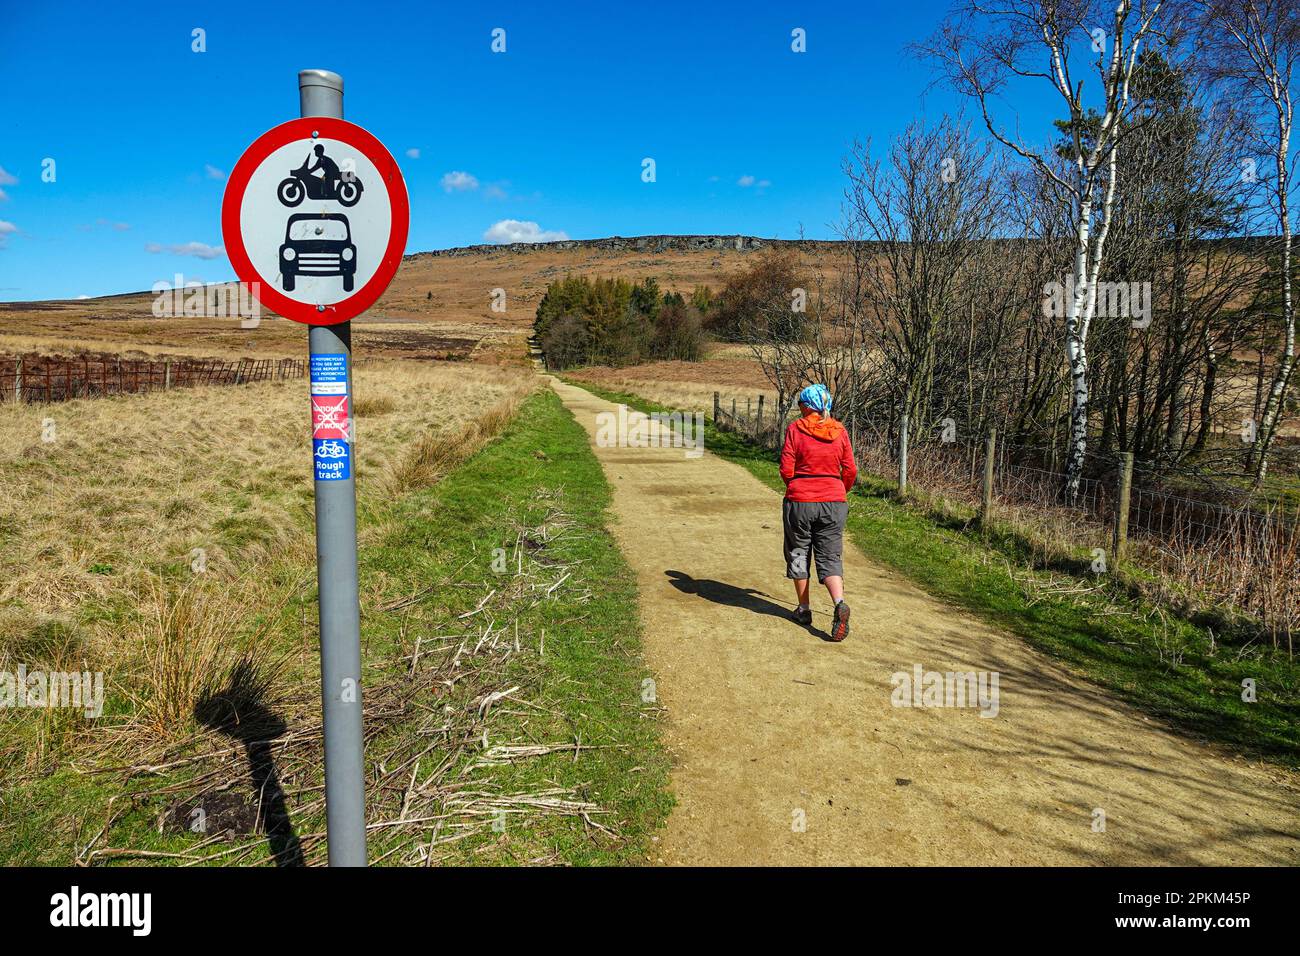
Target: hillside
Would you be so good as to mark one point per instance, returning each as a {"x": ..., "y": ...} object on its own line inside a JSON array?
[{"x": 439, "y": 302}]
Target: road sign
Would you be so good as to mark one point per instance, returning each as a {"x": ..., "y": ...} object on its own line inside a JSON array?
[{"x": 315, "y": 218}]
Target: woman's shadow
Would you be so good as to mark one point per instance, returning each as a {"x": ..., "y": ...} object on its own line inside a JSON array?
[
  {"x": 238, "y": 710},
  {"x": 749, "y": 599}
]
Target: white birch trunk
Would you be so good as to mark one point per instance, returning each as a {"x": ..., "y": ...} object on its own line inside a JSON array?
[
  {"x": 1286, "y": 361},
  {"x": 1076, "y": 351}
]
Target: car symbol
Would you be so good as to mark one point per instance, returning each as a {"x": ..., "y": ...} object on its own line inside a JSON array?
[{"x": 318, "y": 244}]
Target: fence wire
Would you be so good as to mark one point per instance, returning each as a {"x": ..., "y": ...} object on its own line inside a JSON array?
[
  {"x": 42, "y": 378},
  {"x": 1234, "y": 552}
]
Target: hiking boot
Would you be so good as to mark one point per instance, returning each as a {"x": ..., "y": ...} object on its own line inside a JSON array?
[
  {"x": 803, "y": 615},
  {"x": 840, "y": 622}
]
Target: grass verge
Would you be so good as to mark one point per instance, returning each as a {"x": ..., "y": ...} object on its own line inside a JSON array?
[{"x": 1169, "y": 667}]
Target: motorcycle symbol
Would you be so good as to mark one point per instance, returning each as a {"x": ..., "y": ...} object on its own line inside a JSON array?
[{"x": 304, "y": 183}]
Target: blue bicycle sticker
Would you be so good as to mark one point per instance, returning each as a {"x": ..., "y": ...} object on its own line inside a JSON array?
[{"x": 333, "y": 459}]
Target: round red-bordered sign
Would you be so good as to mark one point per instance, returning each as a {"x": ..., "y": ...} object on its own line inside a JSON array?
[{"x": 316, "y": 245}]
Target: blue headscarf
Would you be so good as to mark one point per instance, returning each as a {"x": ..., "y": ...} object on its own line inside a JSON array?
[{"x": 817, "y": 398}]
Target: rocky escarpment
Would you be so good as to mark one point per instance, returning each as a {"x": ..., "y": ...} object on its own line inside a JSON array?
[{"x": 628, "y": 244}]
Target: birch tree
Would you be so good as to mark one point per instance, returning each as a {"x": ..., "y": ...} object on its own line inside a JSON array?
[
  {"x": 1253, "y": 45},
  {"x": 1086, "y": 52}
]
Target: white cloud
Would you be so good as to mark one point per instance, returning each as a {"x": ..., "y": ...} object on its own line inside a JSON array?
[
  {"x": 6, "y": 179},
  {"x": 413, "y": 152},
  {"x": 746, "y": 181},
  {"x": 212, "y": 171},
  {"x": 83, "y": 297},
  {"x": 6, "y": 230},
  {"x": 457, "y": 181},
  {"x": 200, "y": 250},
  {"x": 512, "y": 230},
  {"x": 493, "y": 191},
  {"x": 4, "y": 196}
]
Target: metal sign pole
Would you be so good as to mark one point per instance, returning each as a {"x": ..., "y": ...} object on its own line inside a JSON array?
[{"x": 321, "y": 94}]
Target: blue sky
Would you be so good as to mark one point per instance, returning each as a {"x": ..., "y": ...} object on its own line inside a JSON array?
[{"x": 747, "y": 136}]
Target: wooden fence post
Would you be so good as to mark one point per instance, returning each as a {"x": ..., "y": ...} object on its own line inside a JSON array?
[
  {"x": 18, "y": 381},
  {"x": 733, "y": 411},
  {"x": 902, "y": 456},
  {"x": 1120, "y": 542},
  {"x": 760, "y": 414},
  {"x": 167, "y": 375},
  {"x": 717, "y": 410},
  {"x": 990, "y": 450}
]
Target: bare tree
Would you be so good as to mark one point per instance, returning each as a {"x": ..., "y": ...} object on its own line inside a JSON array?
[
  {"x": 928, "y": 213},
  {"x": 984, "y": 47}
]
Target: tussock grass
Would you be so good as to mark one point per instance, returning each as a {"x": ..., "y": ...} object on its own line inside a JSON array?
[
  {"x": 433, "y": 454},
  {"x": 371, "y": 406},
  {"x": 188, "y": 646}
]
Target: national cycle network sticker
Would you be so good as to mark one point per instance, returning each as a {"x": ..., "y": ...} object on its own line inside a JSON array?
[
  {"x": 331, "y": 447},
  {"x": 329, "y": 417}
]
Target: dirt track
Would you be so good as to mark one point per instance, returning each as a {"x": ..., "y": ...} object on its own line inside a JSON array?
[{"x": 769, "y": 724}]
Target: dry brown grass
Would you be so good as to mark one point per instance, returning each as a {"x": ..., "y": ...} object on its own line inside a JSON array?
[
  {"x": 183, "y": 637},
  {"x": 131, "y": 484},
  {"x": 373, "y": 405},
  {"x": 136, "y": 541},
  {"x": 433, "y": 454}
]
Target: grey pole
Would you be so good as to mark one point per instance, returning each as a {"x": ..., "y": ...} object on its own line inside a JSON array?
[{"x": 321, "y": 94}]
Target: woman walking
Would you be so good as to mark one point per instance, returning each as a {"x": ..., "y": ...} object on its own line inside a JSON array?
[{"x": 818, "y": 467}]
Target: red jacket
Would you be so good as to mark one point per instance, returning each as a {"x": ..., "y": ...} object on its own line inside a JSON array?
[{"x": 817, "y": 460}]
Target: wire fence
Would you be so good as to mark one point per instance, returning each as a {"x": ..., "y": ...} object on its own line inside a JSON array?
[
  {"x": 1223, "y": 545},
  {"x": 44, "y": 378}
]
